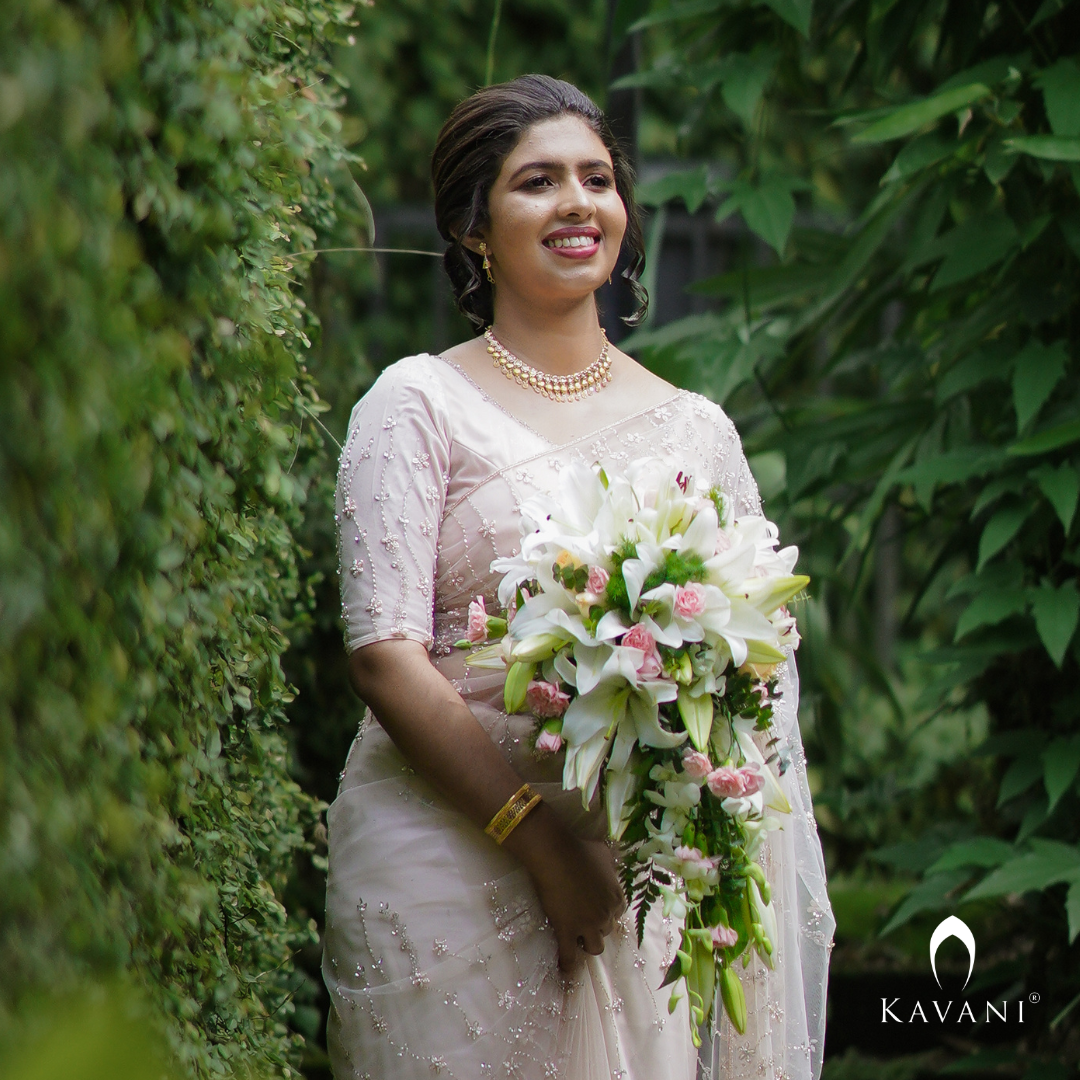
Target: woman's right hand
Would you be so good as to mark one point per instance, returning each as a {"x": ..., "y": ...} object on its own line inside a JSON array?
[{"x": 578, "y": 885}]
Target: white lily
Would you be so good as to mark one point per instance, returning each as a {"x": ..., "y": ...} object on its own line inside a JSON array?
[
  {"x": 674, "y": 904},
  {"x": 620, "y": 789},
  {"x": 743, "y": 807},
  {"x": 769, "y": 593},
  {"x": 635, "y": 571},
  {"x": 746, "y": 626},
  {"x": 581, "y": 769},
  {"x": 756, "y": 830},
  {"x": 772, "y": 791},
  {"x": 612, "y": 710},
  {"x": 673, "y": 629},
  {"x": 494, "y": 657}
]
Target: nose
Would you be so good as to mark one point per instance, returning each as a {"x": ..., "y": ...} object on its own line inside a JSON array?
[{"x": 575, "y": 201}]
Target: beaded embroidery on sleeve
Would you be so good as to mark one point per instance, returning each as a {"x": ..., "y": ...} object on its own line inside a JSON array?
[{"x": 391, "y": 490}]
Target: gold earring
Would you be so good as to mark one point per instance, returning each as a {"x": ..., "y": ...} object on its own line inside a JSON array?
[{"x": 487, "y": 261}]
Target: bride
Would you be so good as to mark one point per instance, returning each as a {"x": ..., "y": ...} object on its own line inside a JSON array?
[{"x": 447, "y": 954}]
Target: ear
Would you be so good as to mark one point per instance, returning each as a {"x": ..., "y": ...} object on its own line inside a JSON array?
[{"x": 472, "y": 242}]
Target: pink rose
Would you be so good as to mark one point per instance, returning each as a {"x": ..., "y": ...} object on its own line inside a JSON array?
[
  {"x": 725, "y": 783},
  {"x": 637, "y": 637},
  {"x": 694, "y": 863},
  {"x": 723, "y": 937},
  {"x": 477, "y": 631},
  {"x": 546, "y": 699},
  {"x": 752, "y": 780},
  {"x": 598, "y": 579},
  {"x": 652, "y": 666},
  {"x": 549, "y": 742},
  {"x": 690, "y": 600},
  {"x": 696, "y": 765}
]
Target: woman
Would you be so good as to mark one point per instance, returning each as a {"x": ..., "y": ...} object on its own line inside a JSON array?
[{"x": 445, "y": 953}]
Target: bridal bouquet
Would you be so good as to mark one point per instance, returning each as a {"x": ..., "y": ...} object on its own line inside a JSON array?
[{"x": 642, "y": 627}]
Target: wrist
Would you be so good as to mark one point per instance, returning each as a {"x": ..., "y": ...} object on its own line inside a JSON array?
[{"x": 536, "y": 841}]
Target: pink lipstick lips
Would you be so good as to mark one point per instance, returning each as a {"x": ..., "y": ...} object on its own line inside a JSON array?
[{"x": 574, "y": 242}]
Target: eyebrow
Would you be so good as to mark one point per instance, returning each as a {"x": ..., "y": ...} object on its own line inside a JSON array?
[{"x": 555, "y": 166}]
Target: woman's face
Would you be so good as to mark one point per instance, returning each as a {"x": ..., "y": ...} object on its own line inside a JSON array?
[{"x": 556, "y": 222}]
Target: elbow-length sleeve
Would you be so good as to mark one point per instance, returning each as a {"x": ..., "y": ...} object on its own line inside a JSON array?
[
  {"x": 785, "y": 1004},
  {"x": 391, "y": 489}
]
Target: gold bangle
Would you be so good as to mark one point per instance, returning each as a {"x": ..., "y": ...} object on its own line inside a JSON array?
[{"x": 512, "y": 813}]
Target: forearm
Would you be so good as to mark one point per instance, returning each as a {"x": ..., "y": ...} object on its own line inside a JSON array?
[{"x": 441, "y": 739}]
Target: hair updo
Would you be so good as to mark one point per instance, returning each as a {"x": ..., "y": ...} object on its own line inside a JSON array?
[{"x": 469, "y": 153}]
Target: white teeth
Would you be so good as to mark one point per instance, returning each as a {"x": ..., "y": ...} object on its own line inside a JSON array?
[{"x": 572, "y": 241}]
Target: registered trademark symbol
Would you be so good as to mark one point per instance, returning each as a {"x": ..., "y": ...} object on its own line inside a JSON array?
[{"x": 1033, "y": 997}]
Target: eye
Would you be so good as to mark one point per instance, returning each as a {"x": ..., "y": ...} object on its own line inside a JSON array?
[
  {"x": 599, "y": 180},
  {"x": 536, "y": 182}
]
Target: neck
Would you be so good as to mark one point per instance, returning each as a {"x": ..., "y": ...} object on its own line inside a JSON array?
[{"x": 559, "y": 342}]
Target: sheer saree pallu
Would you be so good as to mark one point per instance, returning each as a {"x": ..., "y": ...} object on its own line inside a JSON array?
[{"x": 438, "y": 957}]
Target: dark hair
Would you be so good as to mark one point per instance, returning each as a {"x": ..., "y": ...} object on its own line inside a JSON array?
[{"x": 471, "y": 148}]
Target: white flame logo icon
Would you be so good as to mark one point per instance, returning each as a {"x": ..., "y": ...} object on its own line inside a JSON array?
[{"x": 957, "y": 928}]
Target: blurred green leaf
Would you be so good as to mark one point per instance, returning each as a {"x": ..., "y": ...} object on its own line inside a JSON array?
[
  {"x": 931, "y": 894},
  {"x": 795, "y": 13},
  {"x": 688, "y": 9},
  {"x": 1053, "y": 438},
  {"x": 989, "y": 608},
  {"x": 744, "y": 80},
  {"x": 1061, "y": 486},
  {"x": 1060, "y": 85},
  {"x": 1037, "y": 370},
  {"x": 905, "y": 119},
  {"x": 1061, "y": 760},
  {"x": 1025, "y": 771},
  {"x": 1048, "y": 863},
  {"x": 975, "y": 246},
  {"x": 768, "y": 208},
  {"x": 917, "y": 155},
  {"x": 690, "y": 185},
  {"x": 980, "y": 851},
  {"x": 1056, "y": 611},
  {"x": 1072, "y": 910},
  {"x": 1047, "y": 147}
]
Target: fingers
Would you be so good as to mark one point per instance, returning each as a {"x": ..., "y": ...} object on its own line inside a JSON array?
[
  {"x": 570, "y": 957},
  {"x": 592, "y": 942},
  {"x": 571, "y": 951}
]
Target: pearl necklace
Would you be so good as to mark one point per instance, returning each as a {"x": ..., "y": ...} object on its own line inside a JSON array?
[{"x": 556, "y": 387}]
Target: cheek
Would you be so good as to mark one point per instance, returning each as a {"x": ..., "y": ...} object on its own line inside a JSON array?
[
  {"x": 616, "y": 217},
  {"x": 512, "y": 220}
]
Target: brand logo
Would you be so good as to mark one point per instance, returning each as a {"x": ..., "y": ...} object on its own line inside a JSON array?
[
  {"x": 899, "y": 1011},
  {"x": 957, "y": 928}
]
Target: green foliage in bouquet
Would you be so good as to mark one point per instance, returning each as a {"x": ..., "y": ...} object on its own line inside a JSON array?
[
  {"x": 159, "y": 159},
  {"x": 900, "y": 337},
  {"x": 701, "y": 958}
]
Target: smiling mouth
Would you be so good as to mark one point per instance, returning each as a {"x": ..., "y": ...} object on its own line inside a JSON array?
[{"x": 578, "y": 242}]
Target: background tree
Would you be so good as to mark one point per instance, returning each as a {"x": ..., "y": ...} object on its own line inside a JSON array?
[{"x": 899, "y": 352}]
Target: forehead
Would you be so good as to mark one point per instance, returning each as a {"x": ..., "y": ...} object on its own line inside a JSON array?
[{"x": 565, "y": 139}]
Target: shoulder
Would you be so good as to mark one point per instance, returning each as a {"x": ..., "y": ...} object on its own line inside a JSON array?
[
  {"x": 710, "y": 417},
  {"x": 411, "y": 374},
  {"x": 412, "y": 384}
]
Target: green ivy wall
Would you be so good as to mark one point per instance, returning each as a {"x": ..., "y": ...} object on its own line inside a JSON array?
[{"x": 159, "y": 160}]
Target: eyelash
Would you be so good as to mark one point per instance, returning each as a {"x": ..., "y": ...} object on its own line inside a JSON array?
[{"x": 605, "y": 182}]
